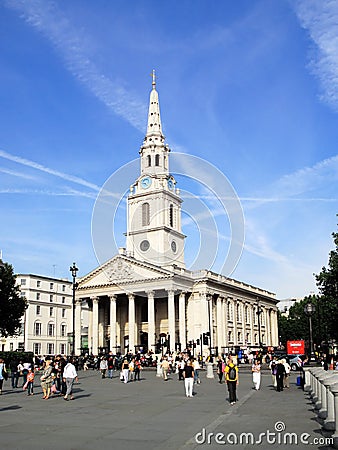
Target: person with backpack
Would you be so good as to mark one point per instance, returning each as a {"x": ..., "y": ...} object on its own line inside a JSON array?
[{"x": 231, "y": 378}]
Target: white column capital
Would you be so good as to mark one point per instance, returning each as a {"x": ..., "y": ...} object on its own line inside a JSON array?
[
  {"x": 150, "y": 294},
  {"x": 95, "y": 299}
]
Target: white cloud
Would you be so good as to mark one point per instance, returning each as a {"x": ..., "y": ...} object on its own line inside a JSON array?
[
  {"x": 37, "y": 166},
  {"x": 71, "y": 44},
  {"x": 320, "y": 19}
]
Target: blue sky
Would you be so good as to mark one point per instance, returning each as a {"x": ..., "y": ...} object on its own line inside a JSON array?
[{"x": 249, "y": 86}]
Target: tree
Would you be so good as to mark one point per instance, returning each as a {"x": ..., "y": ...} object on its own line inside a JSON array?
[
  {"x": 325, "y": 317},
  {"x": 12, "y": 305},
  {"x": 327, "y": 282}
]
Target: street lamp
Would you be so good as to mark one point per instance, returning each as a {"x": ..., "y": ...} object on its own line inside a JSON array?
[
  {"x": 73, "y": 270},
  {"x": 309, "y": 311}
]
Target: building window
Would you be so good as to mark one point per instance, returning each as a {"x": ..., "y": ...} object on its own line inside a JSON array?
[
  {"x": 51, "y": 286},
  {"x": 145, "y": 214},
  {"x": 63, "y": 299},
  {"x": 23, "y": 282},
  {"x": 37, "y": 329},
  {"x": 63, "y": 288},
  {"x": 51, "y": 329},
  {"x": 21, "y": 346},
  {"x": 239, "y": 337},
  {"x": 63, "y": 349},
  {"x": 239, "y": 313},
  {"x": 22, "y": 294},
  {"x": 11, "y": 347},
  {"x": 38, "y": 310},
  {"x": 247, "y": 341},
  {"x": 51, "y": 298},
  {"x": 50, "y": 349},
  {"x": 149, "y": 160},
  {"x": 38, "y": 283},
  {"x": 37, "y": 348},
  {"x": 171, "y": 215},
  {"x": 51, "y": 311},
  {"x": 38, "y": 295},
  {"x": 63, "y": 330},
  {"x": 157, "y": 160},
  {"x": 63, "y": 313},
  {"x": 230, "y": 336}
]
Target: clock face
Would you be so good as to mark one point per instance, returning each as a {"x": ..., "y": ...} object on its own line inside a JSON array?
[
  {"x": 144, "y": 246},
  {"x": 173, "y": 246},
  {"x": 145, "y": 182},
  {"x": 170, "y": 184}
]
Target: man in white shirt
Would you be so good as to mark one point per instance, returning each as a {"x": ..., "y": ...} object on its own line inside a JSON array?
[{"x": 69, "y": 376}]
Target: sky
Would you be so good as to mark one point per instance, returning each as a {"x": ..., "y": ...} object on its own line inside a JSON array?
[{"x": 250, "y": 87}]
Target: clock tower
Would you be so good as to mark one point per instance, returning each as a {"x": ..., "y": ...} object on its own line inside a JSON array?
[{"x": 154, "y": 205}]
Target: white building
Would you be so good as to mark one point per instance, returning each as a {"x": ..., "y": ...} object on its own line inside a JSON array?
[
  {"x": 47, "y": 323},
  {"x": 145, "y": 295}
]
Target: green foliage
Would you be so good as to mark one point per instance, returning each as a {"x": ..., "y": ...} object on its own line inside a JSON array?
[
  {"x": 12, "y": 305},
  {"x": 325, "y": 317}
]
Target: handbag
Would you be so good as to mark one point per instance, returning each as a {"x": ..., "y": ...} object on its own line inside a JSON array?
[{"x": 5, "y": 375}]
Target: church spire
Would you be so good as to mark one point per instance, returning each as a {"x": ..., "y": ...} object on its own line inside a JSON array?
[{"x": 154, "y": 128}]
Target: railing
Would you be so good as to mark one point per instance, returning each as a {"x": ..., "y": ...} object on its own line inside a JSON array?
[{"x": 322, "y": 386}]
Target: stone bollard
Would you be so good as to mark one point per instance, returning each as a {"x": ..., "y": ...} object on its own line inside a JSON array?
[
  {"x": 307, "y": 383},
  {"x": 158, "y": 370},
  {"x": 210, "y": 370},
  {"x": 322, "y": 413},
  {"x": 315, "y": 397},
  {"x": 329, "y": 423},
  {"x": 334, "y": 390}
]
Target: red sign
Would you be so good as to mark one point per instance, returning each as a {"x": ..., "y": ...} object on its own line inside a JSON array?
[{"x": 295, "y": 347}]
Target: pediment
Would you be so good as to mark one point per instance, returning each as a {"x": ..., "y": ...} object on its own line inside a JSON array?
[{"x": 121, "y": 270}]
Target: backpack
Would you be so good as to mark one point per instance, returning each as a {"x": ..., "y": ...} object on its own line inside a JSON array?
[{"x": 232, "y": 373}]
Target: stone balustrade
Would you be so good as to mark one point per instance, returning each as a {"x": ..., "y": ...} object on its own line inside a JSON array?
[{"x": 322, "y": 387}]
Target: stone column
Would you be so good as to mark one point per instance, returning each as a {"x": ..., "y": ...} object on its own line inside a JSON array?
[
  {"x": 77, "y": 343},
  {"x": 210, "y": 321},
  {"x": 225, "y": 322},
  {"x": 151, "y": 320},
  {"x": 113, "y": 324},
  {"x": 181, "y": 315},
  {"x": 220, "y": 326},
  {"x": 95, "y": 326},
  {"x": 131, "y": 322},
  {"x": 171, "y": 318}
]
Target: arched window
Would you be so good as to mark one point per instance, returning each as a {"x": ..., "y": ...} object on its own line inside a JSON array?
[
  {"x": 145, "y": 214},
  {"x": 157, "y": 160},
  {"x": 149, "y": 160},
  {"x": 171, "y": 215}
]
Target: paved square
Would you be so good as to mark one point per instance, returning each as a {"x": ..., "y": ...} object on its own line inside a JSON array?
[{"x": 150, "y": 414}]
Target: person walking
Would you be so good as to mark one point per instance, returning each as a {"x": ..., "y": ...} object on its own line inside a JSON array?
[
  {"x": 3, "y": 373},
  {"x": 188, "y": 373},
  {"x": 125, "y": 370},
  {"x": 287, "y": 374},
  {"x": 196, "y": 367},
  {"x": 256, "y": 374},
  {"x": 231, "y": 378},
  {"x": 110, "y": 366},
  {"x": 273, "y": 368},
  {"x": 13, "y": 365},
  {"x": 137, "y": 370},
  {"x": 47, "y": 379},
  {"x": 280, "y": 371},
  {"x": 165, "y": 368},
  {"x": 69, "y": 376},
  {"x": 220, "y": 369},
  {"x": 30, "y": 382},
  {"x": 103, "y": 367}
]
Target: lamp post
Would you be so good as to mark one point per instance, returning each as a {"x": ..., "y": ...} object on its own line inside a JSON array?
[
  {"x": 73, "y": 269},
  {"x": 309, "y": 311}
]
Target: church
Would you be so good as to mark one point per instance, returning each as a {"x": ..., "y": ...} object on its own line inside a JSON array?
[{"x": 144, "y": 298}]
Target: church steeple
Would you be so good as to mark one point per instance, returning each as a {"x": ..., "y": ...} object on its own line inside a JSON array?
[
  {"x": 154, "y": 231},
  {"x": 154, "y": 128}
]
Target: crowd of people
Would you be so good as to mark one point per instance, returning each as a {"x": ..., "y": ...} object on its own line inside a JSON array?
[{"x": 58, "y": 373}]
